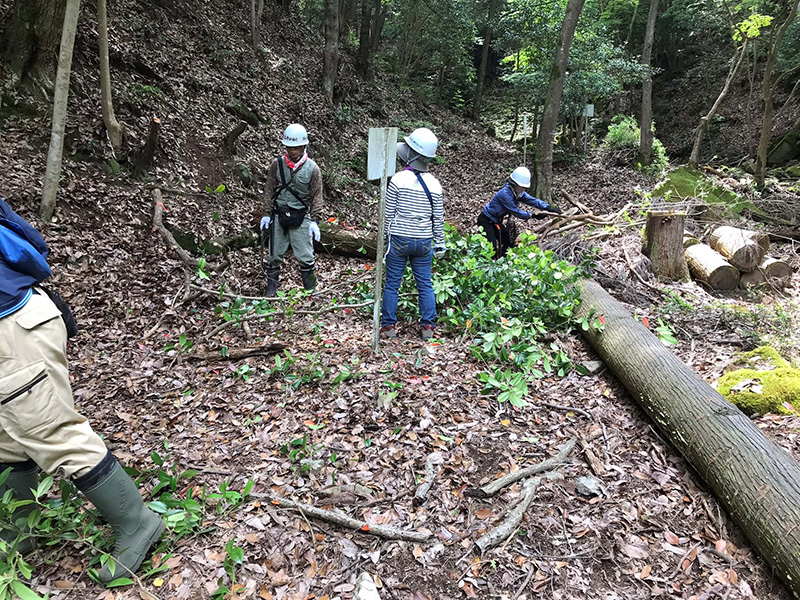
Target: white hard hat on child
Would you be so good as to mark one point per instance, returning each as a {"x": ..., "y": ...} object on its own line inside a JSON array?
[
  {"x": 423, "y": 141},
  {"x": 521, "y": 176},
  {"x": 295, "y": 135}
]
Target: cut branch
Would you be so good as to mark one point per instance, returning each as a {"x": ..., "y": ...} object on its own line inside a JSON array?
[
  {"x": 514, "y": 517},
  {"x": 490, "y": 489},
  {"x": 233, "y": 135},
  {"x": 328, "y": 516}
]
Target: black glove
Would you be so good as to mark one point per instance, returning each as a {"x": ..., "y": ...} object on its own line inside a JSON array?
[{"x": 554, "y": 209}]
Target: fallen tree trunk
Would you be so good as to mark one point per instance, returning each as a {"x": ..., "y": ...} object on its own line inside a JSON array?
[
  {"x": 689, "y": 240},
  {"x": 709, "y": 266},
  {"x": 333, "y": 240},
  {"x": 742, "y": 248},
  {"x": 757, "y": 482}
]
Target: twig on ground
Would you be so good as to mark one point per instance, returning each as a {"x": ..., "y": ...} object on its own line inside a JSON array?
[
  {"x": 490, "y": 489},
  {"x": 679, "y": 568},
  {"x": 636, "y": 273},
  {"x": 597, "y": 467},
  {"x": 514, "y": 517},
  {"x": 423, "y": 488},
  {"x": 520, "y": 589},
  {"x": 347, "y": 522},
  {"x": 238, "y": 353},
  {"x": 580, "y": 411}
]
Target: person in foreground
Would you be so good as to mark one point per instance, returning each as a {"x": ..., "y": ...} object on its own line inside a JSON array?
[
  {"x": 504, "y": 203},
  {"x": 415, "y": 230},
  {"x": 39, "y": 426}
]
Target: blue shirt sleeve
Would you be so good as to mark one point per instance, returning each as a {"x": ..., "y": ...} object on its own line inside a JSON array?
[
  {"x": 506, "y": 198},
  {"x": 33, "y": 236},
  {"x": 526, "y": 198}
]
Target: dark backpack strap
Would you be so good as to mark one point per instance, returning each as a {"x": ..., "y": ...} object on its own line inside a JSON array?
[{"x": 427, "y": 191}]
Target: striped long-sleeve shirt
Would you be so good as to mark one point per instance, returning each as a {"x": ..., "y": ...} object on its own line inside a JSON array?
[{"x": 409, "y": 212}]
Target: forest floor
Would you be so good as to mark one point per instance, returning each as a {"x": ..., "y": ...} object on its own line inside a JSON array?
[
  {"x": 150, "y": 378},
  {"x": 377, "y": 424}
]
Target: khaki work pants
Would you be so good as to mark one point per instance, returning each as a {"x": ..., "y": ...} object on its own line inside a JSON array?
[
  {"x": 299, "y": 240},
  {"x": 38, "y": 420}
]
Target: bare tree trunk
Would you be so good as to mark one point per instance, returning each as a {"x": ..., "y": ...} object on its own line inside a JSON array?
[
  {"x": 769, "y": 93},
  {"x": 481, "y": 77},
  {"x": 547, "y": 132},
  {"x": 630, "y": 26},
  {"x": 755, "y": 480},
  {"x": 256, "y": 12},
  {"x": 53, "y": 170},
  {"x": 30, "y": 41},
  {"x": 113, "y": 127},
  {"x": 330, "y": 55},
  {"x": 646, "y": 120},
  {"x": 364, "y": 45},
  {"x": 751, "y": 75},
  {"x": 741, "y": 52}
]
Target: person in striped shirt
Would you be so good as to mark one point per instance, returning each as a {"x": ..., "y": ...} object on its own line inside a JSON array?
[{"x": 415, "y": 230}]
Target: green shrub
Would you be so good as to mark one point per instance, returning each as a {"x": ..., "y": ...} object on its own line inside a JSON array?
[{"x": 622, "y": 141}]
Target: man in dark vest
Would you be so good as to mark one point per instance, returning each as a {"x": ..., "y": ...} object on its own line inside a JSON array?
[
  {"x": 293, "y": 208},
  {"x": 39, "y": 426}
]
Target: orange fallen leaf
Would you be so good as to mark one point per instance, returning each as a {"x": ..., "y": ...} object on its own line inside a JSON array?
[
  {"x": 645, "y": 572},
  {"x": 646, "y": 322},
  {"x": 484, "y": 513},
  {"x": 365, "y": 527},
  {"x": 671, "y": 538}
]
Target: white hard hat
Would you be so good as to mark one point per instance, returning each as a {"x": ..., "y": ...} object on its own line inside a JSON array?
[
  {"x": 423, "y": 141},
  {"x": 295, "y": 135},
  {"x": 521, "y": 176}
]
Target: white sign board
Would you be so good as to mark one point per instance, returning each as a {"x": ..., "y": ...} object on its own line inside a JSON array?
[
  {"x": 382, "y": 152},
  {"x": 588, "y": 110}
]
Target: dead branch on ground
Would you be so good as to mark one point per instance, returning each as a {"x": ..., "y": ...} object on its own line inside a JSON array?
[
  {"x": 514, "y": 517},
  {"x": 389, "y": 533},
  {"x": 490, "y": 489}
]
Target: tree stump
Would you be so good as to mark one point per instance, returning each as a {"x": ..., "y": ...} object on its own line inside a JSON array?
[
  {"x": 744, "y": 249},
  {"x": 663, "y": 245},
  {"x": 756, "y": 481},
  {"x": 711, "y": 268}
]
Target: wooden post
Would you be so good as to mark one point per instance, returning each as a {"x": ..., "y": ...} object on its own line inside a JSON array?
[
  {"x": 380, "y": 163},
  {"x": 663, "y": 244}
]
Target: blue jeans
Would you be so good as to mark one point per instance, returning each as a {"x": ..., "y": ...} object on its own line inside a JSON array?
[{"x": 419, "y": 253}]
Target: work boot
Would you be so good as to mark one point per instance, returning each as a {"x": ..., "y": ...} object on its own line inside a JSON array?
[
  {"x": 273, "y": 274},
  {"x": 427, "y": 332},
  {"x": 388, "y": 332},
  {"x": 135, "y": 526},
  {"x": 23, "y": 479},
  {"x": 309, "y": 279}
]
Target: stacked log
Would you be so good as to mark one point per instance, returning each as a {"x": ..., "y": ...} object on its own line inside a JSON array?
[
  {"x": 744, "y": 249},
  {"x": 711, "y": 268},
  {"x": 734, "y": 257}
]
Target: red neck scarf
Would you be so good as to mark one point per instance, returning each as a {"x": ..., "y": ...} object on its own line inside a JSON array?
[{"x": 295, "y": 165}]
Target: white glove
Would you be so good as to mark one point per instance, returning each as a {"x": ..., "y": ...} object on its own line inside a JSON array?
[
  {"x": 265, "y": 221},
  {"x": 438, "y": 252},
  {"x": 313, "y": 231}
]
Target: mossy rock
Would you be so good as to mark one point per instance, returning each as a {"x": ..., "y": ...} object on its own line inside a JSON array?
[
  {"x": 685, "y": 182},
  {"x": 793, "y": 171},
  {"x": 762, "y": 381}
]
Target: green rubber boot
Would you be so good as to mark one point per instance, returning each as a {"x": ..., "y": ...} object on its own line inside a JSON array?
[
  {"x": 23, "y": 478},
  {"x": 135, "y": 526}
]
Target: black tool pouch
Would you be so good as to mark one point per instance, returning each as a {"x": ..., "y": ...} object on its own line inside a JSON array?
[
  {"x": 291, "y": 218},
  {"x": 66, "y": 312}
]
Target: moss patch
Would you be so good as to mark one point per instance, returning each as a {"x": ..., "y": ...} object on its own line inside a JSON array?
[
  {"x": 762, "y": 382},
  {"x": 685, "y": 182}
]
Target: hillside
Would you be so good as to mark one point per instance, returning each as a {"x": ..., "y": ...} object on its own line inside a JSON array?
[{"x": 153, "y": 377}]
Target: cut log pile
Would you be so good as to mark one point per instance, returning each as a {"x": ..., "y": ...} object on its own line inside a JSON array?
[{"x": 734, "y": 258}]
